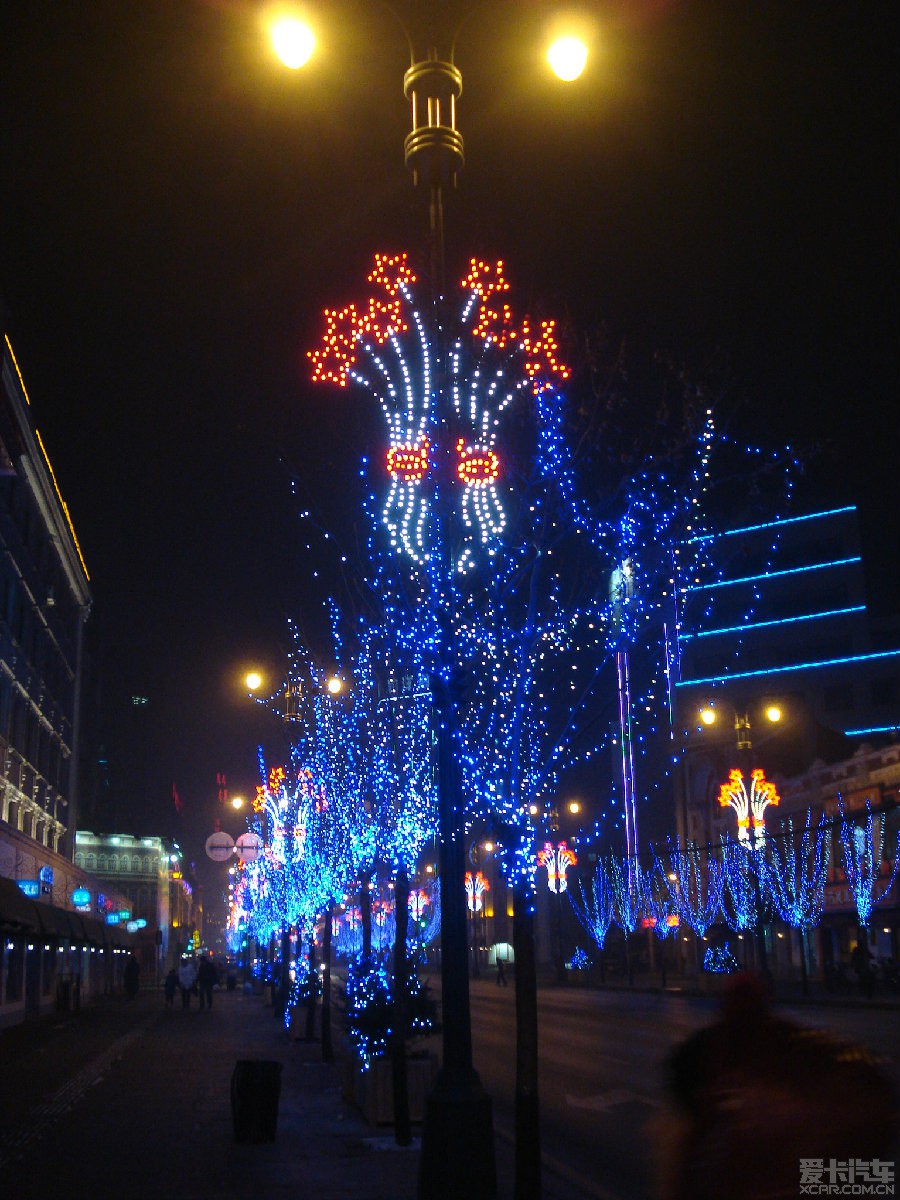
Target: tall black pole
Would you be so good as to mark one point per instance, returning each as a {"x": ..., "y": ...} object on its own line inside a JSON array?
[
  {"x": 745, "y": 751},
  {"x": 457, "y": 1136}
]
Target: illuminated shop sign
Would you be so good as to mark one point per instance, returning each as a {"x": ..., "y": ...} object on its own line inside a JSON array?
[{"x": 31, "y": 887}]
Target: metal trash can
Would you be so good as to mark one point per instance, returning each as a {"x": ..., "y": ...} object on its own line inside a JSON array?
[{"x": 255, "y": 1089}]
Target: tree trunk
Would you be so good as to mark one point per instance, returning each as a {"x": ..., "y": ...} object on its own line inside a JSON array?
[
  {"x": 476, "y": 969},
  {"x": 402, "y": 1127},
  {"x": 804, "y": 972},
  {"x": 311, "y": 1000},
  {"x": 282, "y": 995},
  {"x": 327, "y": 1046},
  {"x": 527, "y": 1106},
  {"x": 365, "y": 916}
]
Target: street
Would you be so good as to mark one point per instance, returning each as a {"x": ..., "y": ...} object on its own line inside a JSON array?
[{"x": 601, "y": 1056}]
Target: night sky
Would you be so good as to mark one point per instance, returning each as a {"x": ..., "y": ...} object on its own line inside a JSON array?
[{"x": 176, "y": 208}]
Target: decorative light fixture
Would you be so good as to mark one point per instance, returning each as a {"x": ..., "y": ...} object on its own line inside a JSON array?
[
  {"x": 749, "y": 807},
  {"x": 557, "y": 859}
]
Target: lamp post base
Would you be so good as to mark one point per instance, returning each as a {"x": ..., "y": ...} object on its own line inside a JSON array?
[{"x": 457, "y": 1141}]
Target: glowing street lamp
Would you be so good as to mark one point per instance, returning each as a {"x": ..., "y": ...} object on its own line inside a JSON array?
[
  {"x": 458, "y": 1111},
  {"x": 557, "y": 858},
  {"x": 749, "y": 805},
  {"x": 568, "y": 57},
  {"x": 293, "y": 41}
]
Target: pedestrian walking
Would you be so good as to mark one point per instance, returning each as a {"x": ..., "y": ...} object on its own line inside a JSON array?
[
  {"x": 861, "y": 961},
  {"x": 187, "y": 977},
  {"x": 170, "y": 987},
  {"x": 132, "y": 975},
  {"x": 206, "y": 979},
  {"x": 757, "y": 1098},
  {"x": 501, "y": 972}
]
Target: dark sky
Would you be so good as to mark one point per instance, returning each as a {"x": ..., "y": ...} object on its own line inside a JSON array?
[{"x": 177, "y": 209}]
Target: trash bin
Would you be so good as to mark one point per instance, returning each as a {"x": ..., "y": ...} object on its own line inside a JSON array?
[{"x": 255, "y": 1088}]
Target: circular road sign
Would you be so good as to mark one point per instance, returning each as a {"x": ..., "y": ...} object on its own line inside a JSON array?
[
  {"x": 248, "y": 847},
  {"x": 220, "y": 846}
]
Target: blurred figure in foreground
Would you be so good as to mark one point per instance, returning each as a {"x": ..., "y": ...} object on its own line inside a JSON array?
[{"x": 759, "y": 1106}]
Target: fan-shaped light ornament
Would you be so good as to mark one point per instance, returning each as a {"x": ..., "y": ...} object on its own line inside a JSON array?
[
  {"x": 557, "y": 860},
  {"x": 476, "y": 886},
  {"x": 749, "y": 807},
  {"x": 386, "y": 347}
]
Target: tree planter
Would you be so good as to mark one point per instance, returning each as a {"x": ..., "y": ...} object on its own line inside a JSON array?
[{"x": 372, "y": 1091}]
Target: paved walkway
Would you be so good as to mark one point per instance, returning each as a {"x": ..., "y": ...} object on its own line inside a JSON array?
[{"x": 128, "y": 1099}]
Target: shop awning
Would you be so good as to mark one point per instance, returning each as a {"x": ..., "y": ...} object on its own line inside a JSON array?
[
  {"x": 57, "y": 922},
  {"x": 16, "y": 910}
]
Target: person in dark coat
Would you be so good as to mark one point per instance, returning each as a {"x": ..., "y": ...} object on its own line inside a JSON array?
[
  {"x": 170, "y": 987},
  {"x": 206, "y": 979},
  {"x": 132, "y": 976},
  {"x": 756, "y": 1103}
]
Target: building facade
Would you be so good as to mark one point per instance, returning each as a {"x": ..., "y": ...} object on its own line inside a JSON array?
[
  {"x": 59, "y": 940},
  {"x": 149, "y": 872}
]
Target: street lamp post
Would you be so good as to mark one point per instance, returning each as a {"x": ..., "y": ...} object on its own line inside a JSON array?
[
  {"x": 749, "y": 806},
  {"x": 457, "y": 1141}
]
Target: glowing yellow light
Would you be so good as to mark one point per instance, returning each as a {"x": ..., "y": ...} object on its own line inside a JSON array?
[
  {"x": 253, "y": 681},
  {"x": 574, "y": 807},
  {"x": 708, "y": 716},
  {"x": 334, "y": 685},
  {"x": 409, "y": 461},
  {"x": 541, "y": 353},
  {"x": 237, "y": 802},
  {"x": 293, "y": 42},
  {"x": 567, "y": 56},
  {"x": 773, "y": 714},
  {"x": 481, "y": 467},
  {"x": 62, "y": 502}
]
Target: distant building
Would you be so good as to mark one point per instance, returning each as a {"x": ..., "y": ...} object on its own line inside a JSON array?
[
  {"x": 780, "y": 622},
  {"x": 44, "y": 603},
  {"x": 149, "y": 871},
  {"x": 869, "y": 780},
  {"x": 59, "y": 938},
  {"x": 782, "y": 610},
  {"x": 780, "y": 669}
]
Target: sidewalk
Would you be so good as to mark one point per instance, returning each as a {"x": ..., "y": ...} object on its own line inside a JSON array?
[{"x": 129, "y": 1099}]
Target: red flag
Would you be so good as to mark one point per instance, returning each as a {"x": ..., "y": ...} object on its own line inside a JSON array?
[{"x": 176, "y": 799}]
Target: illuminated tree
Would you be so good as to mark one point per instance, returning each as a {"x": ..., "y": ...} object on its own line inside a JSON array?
[
  {"x": 869, "y": 872},
  {"x": 394, "y": 702},
  {"x": 628, "y": 901},
  {"x": 796, "y": 873},
  {"x": 595, "y": 910},
  {"x": 696, "y": 883},
  {"x": 745, "y": 879},
  {"x": 659, "y": 910},
  {"x": 546, "y": 618}
]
